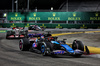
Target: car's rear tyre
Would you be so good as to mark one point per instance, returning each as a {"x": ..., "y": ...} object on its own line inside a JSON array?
[
  {"x": 24, "y": 44},
  {"x": 8, "y": 34}
]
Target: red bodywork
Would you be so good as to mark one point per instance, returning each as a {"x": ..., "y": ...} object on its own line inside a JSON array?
[{"x": 17, "y": 36}]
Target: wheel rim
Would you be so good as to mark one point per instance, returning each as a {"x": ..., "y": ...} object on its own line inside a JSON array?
[
  {"x": 21, "y": 45},
  {"x": 43, "y": 49}
]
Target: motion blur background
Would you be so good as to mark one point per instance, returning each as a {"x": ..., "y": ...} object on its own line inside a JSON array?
[
  {"x": 49, "y": 5},
  {"x": 58, "y": 5}
]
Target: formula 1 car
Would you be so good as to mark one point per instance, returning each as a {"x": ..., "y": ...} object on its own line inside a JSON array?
[
  {"x": 36, "y": 27},
  {"x": 16, "y": 32},
  {"x": 51, "y": 46}
]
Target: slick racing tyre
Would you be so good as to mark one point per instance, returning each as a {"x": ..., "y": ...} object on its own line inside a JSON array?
[
  {"x": 8, "y": 34},
  {"x": 24, "y": 44},
  {"x": 77, "y": 45}
]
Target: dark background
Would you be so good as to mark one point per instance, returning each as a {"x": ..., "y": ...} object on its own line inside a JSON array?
[{"x": 40, "y": 4}]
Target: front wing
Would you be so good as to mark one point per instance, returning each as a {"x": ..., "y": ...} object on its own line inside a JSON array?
[{"x": 15, "y": 36}]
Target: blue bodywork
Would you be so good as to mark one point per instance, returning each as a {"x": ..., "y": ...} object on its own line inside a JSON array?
[
  {"x": 68, "y": 48},
  {"x": 35, "y": 35},
  {"x": 54, "y": 42}
]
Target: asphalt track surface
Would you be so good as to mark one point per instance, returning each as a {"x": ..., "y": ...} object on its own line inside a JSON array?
[{"x": 10, "y": 55}]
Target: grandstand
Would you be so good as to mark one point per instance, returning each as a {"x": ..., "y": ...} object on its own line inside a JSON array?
[{"x": 82, "y": 5}]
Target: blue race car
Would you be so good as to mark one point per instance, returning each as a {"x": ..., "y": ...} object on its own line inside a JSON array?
[{"x": 48, "y": 45}]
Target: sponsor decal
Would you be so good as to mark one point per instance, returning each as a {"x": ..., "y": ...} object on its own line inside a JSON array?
[
  {"x": 58, "y": 26},
  {"x": 96, "y": 17},
  {"x": 54, "y": 17},
  {"x": 16, "y": 14},
  {"x": 59, "y": 52},
  {"x": 34, "y": 45},
  {"x": 54, "y": 42}
]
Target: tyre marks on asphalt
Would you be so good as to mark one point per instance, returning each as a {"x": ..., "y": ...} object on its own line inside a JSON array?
[
  {"x": 12, "y": 56},
  {"x": 87, "y": 62}
]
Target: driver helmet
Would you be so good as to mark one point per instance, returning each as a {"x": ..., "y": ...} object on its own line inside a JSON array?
[{"x": 42, "y": 36}]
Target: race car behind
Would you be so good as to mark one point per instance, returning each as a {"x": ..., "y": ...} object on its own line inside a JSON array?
[
  {"x": 16, "y": 33},
  {"x": 36, "y": 27}
]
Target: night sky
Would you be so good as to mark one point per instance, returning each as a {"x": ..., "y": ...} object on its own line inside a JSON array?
[
  {"x": 40, "y": 4},
  {"x": 5, "y": 4}
]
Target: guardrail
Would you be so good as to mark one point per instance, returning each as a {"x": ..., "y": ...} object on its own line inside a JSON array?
[{"x": 47, "y": 25}]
